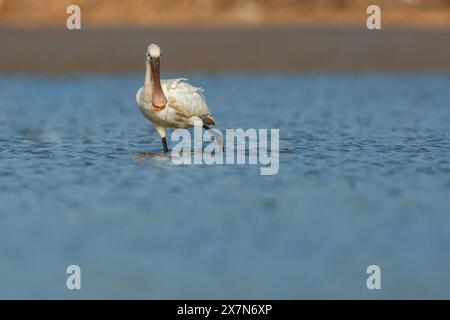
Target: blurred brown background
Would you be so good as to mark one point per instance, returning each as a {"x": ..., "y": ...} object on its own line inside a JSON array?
[
  {"x": 225, "y": 35},
  {"x": 423, "y": 13}
]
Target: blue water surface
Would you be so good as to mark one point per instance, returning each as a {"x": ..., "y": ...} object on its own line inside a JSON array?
[{"x": 364, "y": 179}]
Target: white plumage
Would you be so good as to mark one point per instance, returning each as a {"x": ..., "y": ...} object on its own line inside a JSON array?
[
  {"x": 182, "y": 106},
  {"x": 184, "y": 101}
]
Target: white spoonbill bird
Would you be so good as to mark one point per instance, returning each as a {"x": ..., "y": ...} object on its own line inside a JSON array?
[{"x": 170, "y": 103}]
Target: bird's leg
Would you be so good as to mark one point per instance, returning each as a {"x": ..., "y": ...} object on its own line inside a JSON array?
[
  {"x": 218, "y": 140},
  {"x": 164, "y": 142},
  {"x": 162, "y": 133}
]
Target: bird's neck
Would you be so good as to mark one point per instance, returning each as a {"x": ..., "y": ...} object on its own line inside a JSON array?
[{"x": 148, "y": 84}]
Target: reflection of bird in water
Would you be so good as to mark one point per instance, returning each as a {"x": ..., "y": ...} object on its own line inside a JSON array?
[
  {"x": 146, "y": 154},
  {"x": 170, "y": 103}
]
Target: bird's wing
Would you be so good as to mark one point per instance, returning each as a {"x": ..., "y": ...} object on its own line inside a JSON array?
[
  {"x": 185, "y": 98},
  {"x": 138, "y": 96}
]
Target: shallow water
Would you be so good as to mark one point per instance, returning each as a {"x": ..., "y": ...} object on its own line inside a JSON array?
[{"x": 364, "y": 179}]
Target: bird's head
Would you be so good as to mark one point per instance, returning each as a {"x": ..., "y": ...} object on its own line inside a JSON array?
[
  {"x": 159, "y": 100},
  {"x": 153, "y": 51}
]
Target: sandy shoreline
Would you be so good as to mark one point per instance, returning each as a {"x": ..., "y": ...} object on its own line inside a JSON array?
[{"x": 226, "y": 49}]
